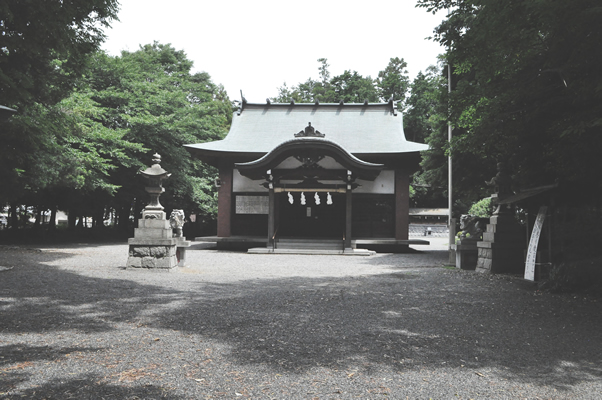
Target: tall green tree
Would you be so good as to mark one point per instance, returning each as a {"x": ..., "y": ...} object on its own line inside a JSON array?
[
  {"x": 43, "y": 46},
  {"x": 154, "y": 99},
  {"x": 423, "y": 104},
  {"x": 350, "y": 86},
  {"x": 528, "y": 88},
  {"x": 393, "y": 82}
]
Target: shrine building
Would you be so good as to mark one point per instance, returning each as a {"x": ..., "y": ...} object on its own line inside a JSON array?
[{"x": 313, "y": 175}]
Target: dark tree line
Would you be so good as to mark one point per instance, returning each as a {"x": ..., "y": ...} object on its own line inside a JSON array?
[
  {"x": 86, "y": 122},
  {"x": 527, "y": 89}
]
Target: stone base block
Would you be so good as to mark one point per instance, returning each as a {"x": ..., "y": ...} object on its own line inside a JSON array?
[
  {"x": 181, "y": 246},
  {"x": 466, "y": 256},
  {"x": 153, "y": 214},
  {"x": 155, "y": 257},
  {"x": 506, "y": 260}
]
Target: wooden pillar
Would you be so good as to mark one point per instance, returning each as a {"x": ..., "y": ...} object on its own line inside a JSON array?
[
  {"x": 271, "y": 217},
  {"x": 402, "y": 204},
  {"x": 224, "y": 201},
  {"x": 348, "y": 218}
]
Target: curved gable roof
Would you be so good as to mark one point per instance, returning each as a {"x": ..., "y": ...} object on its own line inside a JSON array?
[
  {"x": 358, "y": 128},
  {"x": 256, "y": 169}
]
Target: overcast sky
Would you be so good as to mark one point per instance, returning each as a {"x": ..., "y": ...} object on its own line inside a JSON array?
[{"x": 255, "y": 46}]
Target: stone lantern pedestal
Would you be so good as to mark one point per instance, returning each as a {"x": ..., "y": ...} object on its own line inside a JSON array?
[{"x": 153, "y": 246}]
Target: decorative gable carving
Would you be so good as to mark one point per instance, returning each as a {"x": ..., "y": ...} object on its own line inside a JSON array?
[
  {"x": 309, "y": 161},
  {"x": 309, "y": 131}
]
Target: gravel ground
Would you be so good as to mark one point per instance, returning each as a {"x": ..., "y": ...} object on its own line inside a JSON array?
[{"x": 75, "y": 324}]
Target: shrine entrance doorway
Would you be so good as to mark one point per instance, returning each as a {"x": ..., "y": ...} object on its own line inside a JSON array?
[{"x": 311, "y": 215}]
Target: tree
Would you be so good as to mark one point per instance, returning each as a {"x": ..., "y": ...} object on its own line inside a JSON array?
[
  {"x": 423, "y": 104},
  {"x": 152, "y": 97},
  {"x": 393, "y": 82},
  {"x": 90, "y": 146},
  {"x": 352, "y": 87},
  {"x": 528, "y": 88},
  {"x": 349, "y": 87},
  {"x": 43, "y": 46}
]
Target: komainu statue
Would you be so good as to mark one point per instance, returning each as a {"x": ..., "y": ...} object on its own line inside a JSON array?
[
  {"x": 176, "y": 220},
  {"x": 472, "y": 227},
  {"x": 501, "y": 182}
]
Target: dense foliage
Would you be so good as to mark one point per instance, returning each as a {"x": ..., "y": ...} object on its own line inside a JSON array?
[
  {"x": 90, "y": 145},
  {"x": 44, "y": 49},
  {"x": 44, "y": 44},
  {"x": 527, "y": 89},
  {"x": 350, "y": 86},
  {"x": 151, "y": 98}
]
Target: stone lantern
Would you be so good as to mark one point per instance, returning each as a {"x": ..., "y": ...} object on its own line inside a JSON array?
[
  {"x": 155, "y": 176},
  {"x": 153, "y": 245}
]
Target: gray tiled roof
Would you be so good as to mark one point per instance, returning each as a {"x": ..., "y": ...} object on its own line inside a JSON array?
[{"x": 358, "y": 128}]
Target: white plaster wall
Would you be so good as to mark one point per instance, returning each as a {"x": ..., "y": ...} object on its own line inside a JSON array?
[
  {"x": 243, "y": 184},
  {"x": 289, "y": 163},
  {"x": 383, "y": 184},
  {"x": 292, "y": 163}
]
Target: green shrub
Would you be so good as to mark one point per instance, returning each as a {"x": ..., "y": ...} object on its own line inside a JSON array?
[{"x": 482, "y": 208}]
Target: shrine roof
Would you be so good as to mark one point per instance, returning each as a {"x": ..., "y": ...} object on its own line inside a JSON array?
[{"x": 360, "y": 128}]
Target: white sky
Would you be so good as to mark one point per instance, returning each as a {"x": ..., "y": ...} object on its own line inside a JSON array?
[{"x": 256, "y": 45}]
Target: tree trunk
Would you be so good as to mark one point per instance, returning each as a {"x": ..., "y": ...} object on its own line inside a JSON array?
[
  {"x": 124, "y": 217},
  {"x": 52, "y": 221},
  {"x": 71, "y": 218},
  {"x": 38, "y": 221},
  {"x": 13, "y": 221}
]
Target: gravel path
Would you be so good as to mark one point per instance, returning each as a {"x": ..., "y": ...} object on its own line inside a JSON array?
[{"x": 75, "y": 324}]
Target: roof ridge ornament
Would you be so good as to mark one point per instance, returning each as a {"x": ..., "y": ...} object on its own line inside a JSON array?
[
  {"x": 309, "y": 131},
  {"x": 242, "y": 104},
  {"x": 393, "y": 105}
]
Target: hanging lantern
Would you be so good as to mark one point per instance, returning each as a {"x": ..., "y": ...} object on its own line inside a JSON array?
[
  {"x": 328, "y": 199},
  {"x": 302, "y": 198},
  {"x": 290, "y": 198},
  {"x": 317, "y": 199}
]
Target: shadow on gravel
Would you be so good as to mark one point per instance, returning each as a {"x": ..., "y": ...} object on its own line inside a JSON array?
[
  {"x": 90, "y": 388},
  {"x": 406, "y": 320}
]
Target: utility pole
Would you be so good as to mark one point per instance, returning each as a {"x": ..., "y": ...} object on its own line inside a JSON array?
[{"x": 451, "y": 221}]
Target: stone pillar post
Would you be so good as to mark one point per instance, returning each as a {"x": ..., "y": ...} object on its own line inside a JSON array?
[
  {"x": 348, "y": 219},
  {"x": 402, "y": 204},
  {"x": 271, "y": 217},
  {"x": 224, "y": 201}
]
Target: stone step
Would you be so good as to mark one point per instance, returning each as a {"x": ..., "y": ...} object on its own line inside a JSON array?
[
  {"x": 351, "y": 252},
  {"x": 309, "y": 244},
  {"x": 494, "y": 228},
  {"x": 504, "y": 237}
]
